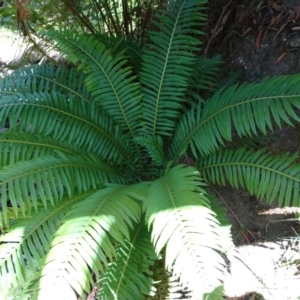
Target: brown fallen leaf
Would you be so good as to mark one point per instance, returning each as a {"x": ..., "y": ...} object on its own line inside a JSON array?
[
  {"x": 275, "y": 6},
  {"x": 257, "y": 40},
  {"x": 297, "y": 11},
  {"x": 280, "y": 29},
  {"x": 274, "y": 20},
  {"x": 280, "y": 58}
]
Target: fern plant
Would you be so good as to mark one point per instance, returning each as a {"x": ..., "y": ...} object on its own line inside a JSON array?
[{"x": 105, "y": 166}]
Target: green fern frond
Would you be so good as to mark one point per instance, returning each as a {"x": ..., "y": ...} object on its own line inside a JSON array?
[
  {"x": 203, "y": 75},
  {"x": 7, "y": 86},
  {"x": 89, "y": 160},
  {"x": 133, "y": 52},
  {"x": 252, "y": 142},
  {"x": 178, "y": 212},
  {"x": 216, "y": 294},
  {"x": 111, "y": 85},
  {"x": 67, "y": 120},
  {"x": 117, "y": 45},
  {"x": 188, "y": 121},
  {"x": 24, "y": 246},
  {"x": 129, "y": 277},
  {"x": 154, "y": 145},
  {"x": 47, "y": 78},
  {"x": 167, "y": 63},
  {"x": 249, "y": 108},
  {"x": 86, "y": 241},
  {"x": 48, "y": 178},
  {"x": 23, "y": 290},
  {"x": 16, "y": 146},
  {"x": 261, "y": 173}
]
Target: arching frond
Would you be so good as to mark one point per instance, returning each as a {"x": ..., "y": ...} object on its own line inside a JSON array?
[
  {"x": 167, "y": 63},
  {"x": 49, "y": 178},
  {"x": 86, "y": 240},
  {"x": 16, "y": 146},
  {"x": 250, "y": 108},
  {"x": 66, "y": 120},
  {"x": 46, "y": 78},
  {"x": 129, "y": 277},
  {"x": 188, "y": 121},
  {"x": 111, "y": 85},
  {"x": 261, "y": 173},
  {"x": 178, "y": 212},
  {"x": 25, "y": 245}
]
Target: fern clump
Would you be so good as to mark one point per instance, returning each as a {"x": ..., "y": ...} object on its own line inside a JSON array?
[{"x": 104, "y": 167}]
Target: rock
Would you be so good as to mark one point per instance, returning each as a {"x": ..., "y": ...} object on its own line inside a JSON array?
[{"x": 294, "y": 41}]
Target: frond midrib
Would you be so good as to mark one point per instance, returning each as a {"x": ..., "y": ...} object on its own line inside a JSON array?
[
  {"x": 108, "y": 79},
  {"x": 164, "y": 70},
  {"x": 251, "y": 165},
  {"x": 8, "y": 92},
  {"x": 48, "y": 145},
  {"x": 63, "y": 112},
  {"x": 20, "y": 242},
  {"x": 58, "y": 208},
  {"x": 80, "y": 96},
  {"x": 166, "y": 182},
  {"x": 193, "y": 132},
  {"x": 61, "y": 165},
  {"x": 132, "y": 243},
  {"x": 116, "y": 96}
]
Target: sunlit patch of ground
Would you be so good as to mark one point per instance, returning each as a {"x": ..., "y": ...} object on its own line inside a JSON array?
[
  {"x": 270, "y": 269},
  {"x": 12, "y": 45},
  {"x": 280, "y": 211}
]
